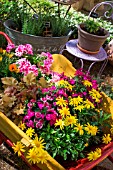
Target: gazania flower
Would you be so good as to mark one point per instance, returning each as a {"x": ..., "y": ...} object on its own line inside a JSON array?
[
  {"x": 13, "y": 67},
  {"x": 106, "y": 138},
  {"x": 18, "y": 148}
]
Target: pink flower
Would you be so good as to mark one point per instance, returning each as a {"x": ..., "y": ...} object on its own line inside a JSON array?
[
  {"x": 52, "y": 118},
  {"x": 72, "y": 81},
  {"x": 40, "y": 105},
  {"x": 30, "y": 123},
  {"x": 39, "y": 124},
  {"x": 30, "y": 113},
  {"x": 10, "y": 47},
  {"x": 26, "y": 67},
  {"x": 28, "y": 48},
  {"x": 39, "y": 115}
]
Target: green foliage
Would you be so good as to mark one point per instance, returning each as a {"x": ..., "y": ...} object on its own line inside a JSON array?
[
  {"x": 92, "y": 26},
  {"x": 64, "y": 143},
  {"x": 58, "y": 26}
]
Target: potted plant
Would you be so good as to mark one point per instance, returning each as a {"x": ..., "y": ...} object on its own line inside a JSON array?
[
  {"x": 44, "y": 28},
  {"x": 91, "y": 36}
]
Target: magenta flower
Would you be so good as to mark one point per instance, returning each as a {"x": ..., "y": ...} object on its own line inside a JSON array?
[
  {"x": 30, "y": 123},
  {"x": 30, "y": 113},
  {"x": 39, "y": 124},
  {"x": 10, "y": 47},
  {"x": 72, "y": 81},
  {"x": 40, "y": 105},
  {"x": 52, "y": 118},
  {"x": 38, "y": 115}
]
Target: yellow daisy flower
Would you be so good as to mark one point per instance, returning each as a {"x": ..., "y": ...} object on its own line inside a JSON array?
[
  {"x": 38, "y": 142},
  {"x": 30, "y": 132},
  {"x": 88, "y": 104},
  {"x": 70, "y": 120},
  {"x": 22, "y": 125},
  {"x": 64, "y": 111},
  {"x": 32, "y": 156},
  {"x": 95, "y": 95},
  {"x": 98, "y": 150},
  {"x": 42, "y": 156},
  {"x": 91, "y": 129},
  {"x": 106, "y": 138},
  {"x": 61, "y": 102},
  {"x": 93, "y": 155},
  {"x": 79, "y": 107},
  {"x": 79, "y": 129},
  {"x": 60, "y": 123},
  {"x": 87, "y": 83},
  {"x": 75, "y": 101},
  {"x": 18, "y": 148}
]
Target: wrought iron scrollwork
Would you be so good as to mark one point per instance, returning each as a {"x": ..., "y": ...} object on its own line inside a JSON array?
[{"x": 106, "y": 14}]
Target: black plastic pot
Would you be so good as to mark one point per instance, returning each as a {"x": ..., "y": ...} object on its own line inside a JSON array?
[{"x": 39, "y": 43}]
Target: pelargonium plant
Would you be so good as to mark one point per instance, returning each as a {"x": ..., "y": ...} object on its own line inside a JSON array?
[{"x": 61, "y": 114}]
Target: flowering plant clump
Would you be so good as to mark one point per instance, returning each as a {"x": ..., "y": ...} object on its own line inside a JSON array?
[{"x": 61, "y": 114}]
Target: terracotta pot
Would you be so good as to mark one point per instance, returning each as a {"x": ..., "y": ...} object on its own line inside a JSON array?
[{"x": 89, "y": 42}]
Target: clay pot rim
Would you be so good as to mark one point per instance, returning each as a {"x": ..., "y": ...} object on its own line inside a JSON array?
[{"x": 107, "y": 34}]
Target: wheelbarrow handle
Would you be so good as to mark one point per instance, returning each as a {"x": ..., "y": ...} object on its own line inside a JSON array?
[{"x": 7, "y": 37}]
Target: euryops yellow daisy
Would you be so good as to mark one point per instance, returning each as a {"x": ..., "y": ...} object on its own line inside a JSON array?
[
  {"x": 106, "y": 138},
  {"x": 93, "y": 155},
  {"x": 19, "y": 148}
]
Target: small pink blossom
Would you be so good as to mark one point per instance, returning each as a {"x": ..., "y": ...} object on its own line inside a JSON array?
[
  {"x": 10, "y": 47},
  {"x": 39, "y": 124}
]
